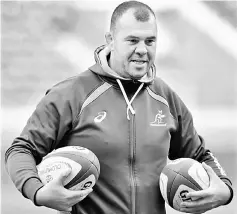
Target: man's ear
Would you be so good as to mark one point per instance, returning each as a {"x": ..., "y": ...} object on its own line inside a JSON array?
[{"x": 109, "y": 40}]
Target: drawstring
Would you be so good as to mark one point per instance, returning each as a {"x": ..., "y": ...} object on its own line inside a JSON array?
[
  {"x": 125, "y": 97},
  {"x": 140, "y": 87},
  {"x": 129, "y": 103}
]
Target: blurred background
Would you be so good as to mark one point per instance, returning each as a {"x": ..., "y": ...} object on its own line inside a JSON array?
[{"x": 44, "y": 42}]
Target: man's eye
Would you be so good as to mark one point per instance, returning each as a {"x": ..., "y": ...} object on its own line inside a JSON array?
[
  {"x": 132, "y": 41},
  {"x": 150, "y": 42}
]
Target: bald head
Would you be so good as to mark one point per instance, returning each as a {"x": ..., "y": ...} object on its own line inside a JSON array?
[{"x": 141, "y": 12}]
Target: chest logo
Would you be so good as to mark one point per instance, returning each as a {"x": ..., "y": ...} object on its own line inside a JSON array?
[
  {"x": 100, "y": 117},
  {"x": 159, "y": 119}
]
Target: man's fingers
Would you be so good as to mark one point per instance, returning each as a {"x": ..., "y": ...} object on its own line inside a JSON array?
[
  {"x": 192, "y": 204},
  {"x": 82, "y": 193},
  {"x": 86, "y": 191},
  {"x": 198, "y": 194},
  {"x": 195, "y": 207},
  {"x": 77, "y": 196},
  {"x": 193, "y": 210}
]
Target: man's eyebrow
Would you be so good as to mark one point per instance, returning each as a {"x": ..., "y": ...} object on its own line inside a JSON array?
[
  {"x": 152, "y": 37},
  {"x": 131, "y": 37},
  {"x": 135, "y": 37}
]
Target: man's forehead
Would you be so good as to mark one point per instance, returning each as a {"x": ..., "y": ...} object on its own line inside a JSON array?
[
  {"x": 129, "y": 25},
  {"x": 128, "y": 19}
]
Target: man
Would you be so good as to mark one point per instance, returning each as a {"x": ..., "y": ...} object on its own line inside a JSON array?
[{"x": 128, "y": 117}]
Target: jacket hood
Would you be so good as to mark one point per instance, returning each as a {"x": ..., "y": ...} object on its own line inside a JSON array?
[{"x": 102, "y": 68}]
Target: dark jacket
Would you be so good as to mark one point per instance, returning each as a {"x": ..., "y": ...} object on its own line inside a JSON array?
[{"x": 132, "y": 148}]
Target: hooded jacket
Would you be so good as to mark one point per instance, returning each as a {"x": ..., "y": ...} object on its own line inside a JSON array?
[{"x": 131, "y": 126}]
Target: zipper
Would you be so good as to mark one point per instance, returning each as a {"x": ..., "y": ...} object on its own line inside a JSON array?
[{"x": 132, "y": 162}]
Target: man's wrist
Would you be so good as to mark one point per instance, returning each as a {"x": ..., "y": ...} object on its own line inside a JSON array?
[
  {"x": 231, "y": 194},
  {"x": 36, "y": 198},
  {"x": 30, "y": 187}
]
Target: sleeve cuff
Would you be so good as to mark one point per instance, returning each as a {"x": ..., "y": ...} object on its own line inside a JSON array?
[
  {"x": 231, "y": 194},
  {"x": 31, "y": 187}
]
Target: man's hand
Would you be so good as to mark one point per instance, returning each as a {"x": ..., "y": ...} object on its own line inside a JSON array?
[
  {"x": 55, "y": 196},
  {"x": 215, "y": 195}
]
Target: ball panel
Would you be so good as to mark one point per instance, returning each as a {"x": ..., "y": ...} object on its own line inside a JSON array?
[
  {"x": 87, "y": 180},
  {"x": 92, "y": 170},
  {"x": 180, "y": 196},
  {"x": 178, "y": 181},
  {"x": 192, "y": 170},
  {"x": 179, "y": 188},
  {"x": 181, "y": 165},
  {"x": 96, "y": 163},
  {"x": 50, "y": 168},
  {"x": 85, "y": 167},
  {"x": 170, "y": 174},
  {"x": 82, "y": 161},
  {"x": 186, "y": 175},
  {"x": 72, "y": 149},
  {"x": 199, "y": 175},
  {"x": 163, "y": 186},
  {"x": 73, "y": 153}
]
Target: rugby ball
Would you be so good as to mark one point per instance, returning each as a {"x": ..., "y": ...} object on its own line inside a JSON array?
[
  {"x": 179, "y": 177},
  {"x": 84, "y": 165}
]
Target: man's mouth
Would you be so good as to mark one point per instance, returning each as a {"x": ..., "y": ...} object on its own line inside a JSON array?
[{"x": 138, "y": 61}]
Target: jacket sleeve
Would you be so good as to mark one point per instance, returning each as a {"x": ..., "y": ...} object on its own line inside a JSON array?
[
  {"x": 43, "y": 132},
  {"x": 185, "y": 142}
]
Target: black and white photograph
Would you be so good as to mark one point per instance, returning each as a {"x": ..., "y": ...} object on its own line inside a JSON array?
[{"x": 118, "y": 107}]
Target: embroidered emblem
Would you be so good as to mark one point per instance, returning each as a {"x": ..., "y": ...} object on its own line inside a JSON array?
[
  {"x": 100, "y": 117},
  {"x": 159, "y": 119}
]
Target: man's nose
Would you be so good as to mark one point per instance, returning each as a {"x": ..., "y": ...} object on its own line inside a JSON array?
[{"x": 141, "y": 48}]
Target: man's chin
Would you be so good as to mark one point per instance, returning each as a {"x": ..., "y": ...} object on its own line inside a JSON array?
[
  {"x": 138, "y": 76},
  {"x": 137, "y": 73}
]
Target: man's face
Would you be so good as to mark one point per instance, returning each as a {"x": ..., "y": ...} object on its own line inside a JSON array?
[{"x": 133, "y": 46}]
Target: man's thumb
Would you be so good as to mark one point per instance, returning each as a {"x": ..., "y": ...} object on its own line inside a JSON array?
[{"x": 63, "y": 175}]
